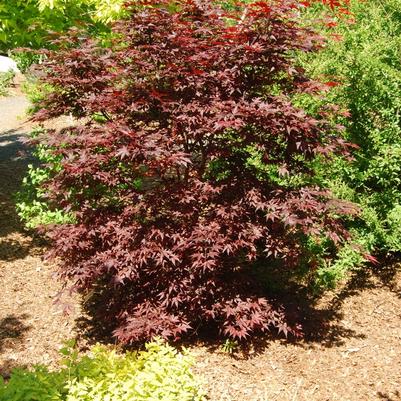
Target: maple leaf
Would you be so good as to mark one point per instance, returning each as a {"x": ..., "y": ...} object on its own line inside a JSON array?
[{"x": 122, "y": 152}]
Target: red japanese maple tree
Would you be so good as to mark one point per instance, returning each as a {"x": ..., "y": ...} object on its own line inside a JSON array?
[{"x": 170, "y": 211}]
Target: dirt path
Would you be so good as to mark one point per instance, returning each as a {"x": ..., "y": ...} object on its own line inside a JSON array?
[
  {"x": 31, "y": 327},
  {"x": 352, "y": 349}
]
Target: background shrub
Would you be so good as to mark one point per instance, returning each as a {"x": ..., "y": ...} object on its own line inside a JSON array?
[
  {"x": 364, "y": 69},
  {"x": 158, "y": 373}
]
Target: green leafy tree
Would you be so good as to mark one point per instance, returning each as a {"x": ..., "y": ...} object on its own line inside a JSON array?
[{"x": 27, "y": 23}]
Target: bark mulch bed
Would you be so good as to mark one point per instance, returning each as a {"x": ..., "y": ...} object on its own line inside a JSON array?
[
  {"x": 31, "y": 328},
  {"x": 352, "y": 348}
]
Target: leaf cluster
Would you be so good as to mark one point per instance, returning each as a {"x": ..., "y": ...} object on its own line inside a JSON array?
[
  {"x": 6, "y": 79},
  {"x": 31, "y": 202}
]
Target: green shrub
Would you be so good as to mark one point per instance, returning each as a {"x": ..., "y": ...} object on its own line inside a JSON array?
[
  {"x": 158, "y": 373},
  {"x": 35, "y": 92},
  {"x": 25, "y": 59},
  {"x": 6, "y": 79},
  {"x": 33, "y": 207},
  {"x": 363, "y": 68}
]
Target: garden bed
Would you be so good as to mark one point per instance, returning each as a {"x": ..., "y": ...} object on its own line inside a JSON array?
[{"x": 351, "y": 351}]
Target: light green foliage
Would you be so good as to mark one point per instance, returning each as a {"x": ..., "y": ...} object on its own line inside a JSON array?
[
  {"x": 6, "y": 79},
  {"x": 367, "y": 64},
  {"x": 219, "y": 168},
  {"x": 35, "y": 91},
  {"x": 32, "y": 205},
  {"x": 36, "y": 385},
  {"x": 18, "y": 17},
  {"x": 101, "y": 10},
  {"x": 107, "y": 10},
  {"x": 330, "y": 272},
  {"x": 270, "y": 172},
  {"x": 27, "y": 22},
  {"x": 25, "y": 59},
  {"x": 158, "y": 373},
  {"x": 229, "y": 346}
]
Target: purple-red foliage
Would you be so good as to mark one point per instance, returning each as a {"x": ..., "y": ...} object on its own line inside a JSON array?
[{"x": 169, "y": 215}]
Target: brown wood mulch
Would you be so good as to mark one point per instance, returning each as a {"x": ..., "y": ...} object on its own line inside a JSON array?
[{"x": 352, "y": 348}]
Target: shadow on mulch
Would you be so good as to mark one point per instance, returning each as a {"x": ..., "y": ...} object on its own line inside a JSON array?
[
  {"x": 386, "y": 274},
  {"x": 14, "y": 160},
  {"x": 12, "y": 330},
  {"x": 8, "y": 366},
  {"x": 12, "y": 249},
  {"x": 321, "y": 325},
  {"x": 92, "y": 326},
  {"x": 386, "y": 397}
]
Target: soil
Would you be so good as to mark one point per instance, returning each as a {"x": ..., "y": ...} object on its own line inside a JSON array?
[{"x": 352, "y": 345}]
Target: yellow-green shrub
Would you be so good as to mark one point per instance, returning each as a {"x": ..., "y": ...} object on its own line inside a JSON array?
[{"x": 158, "y": 373}]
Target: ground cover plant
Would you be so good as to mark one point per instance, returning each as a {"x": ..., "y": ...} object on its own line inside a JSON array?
[
  {"x": 31, "y": 202},
  {"x": 159, "y": 372},
  {"x": 365, "y": 72},
  {"x": 193, "y": 165}
]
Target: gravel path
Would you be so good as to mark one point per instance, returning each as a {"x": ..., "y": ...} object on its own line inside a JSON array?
[{"x": 12, "y": 111}]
